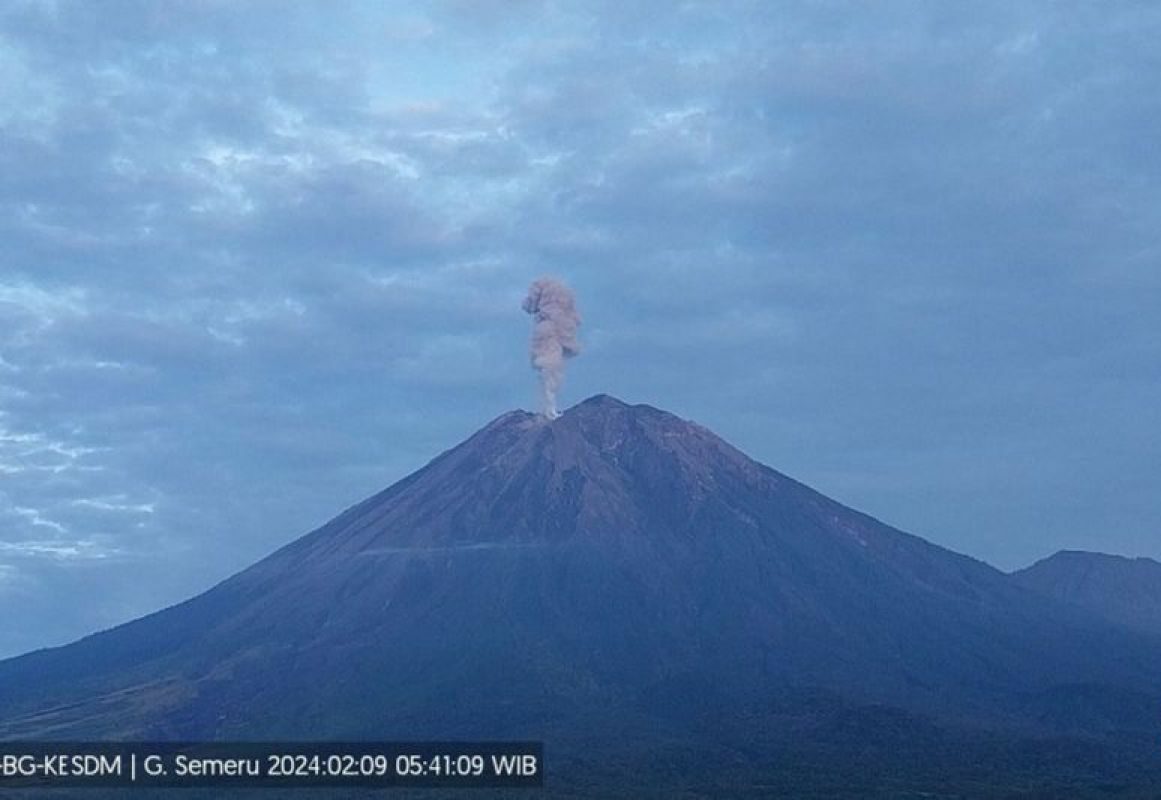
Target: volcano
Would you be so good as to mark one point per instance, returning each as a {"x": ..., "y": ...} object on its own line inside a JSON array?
[{"x": 633, "y": 590}]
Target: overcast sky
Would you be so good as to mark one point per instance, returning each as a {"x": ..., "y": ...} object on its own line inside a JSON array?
[{"x": 260, "y": 260}]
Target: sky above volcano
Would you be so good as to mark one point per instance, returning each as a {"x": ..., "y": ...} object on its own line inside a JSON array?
[{"x": 262, "y": 259}]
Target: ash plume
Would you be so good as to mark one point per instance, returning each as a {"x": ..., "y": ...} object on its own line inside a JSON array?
[{"x": 555, "y": 322}]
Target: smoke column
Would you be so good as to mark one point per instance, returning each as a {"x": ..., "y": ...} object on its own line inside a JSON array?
[{"x": 554, "y": 323}]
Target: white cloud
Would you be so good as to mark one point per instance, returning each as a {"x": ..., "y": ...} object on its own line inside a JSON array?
[
  {"x": 42, "y": 303},
  {"x": 38, "y": 519},
  {"x": 58, "y": 550},
  {"x": 39, "y": 453},
  {"x": 116, "y": 503}
]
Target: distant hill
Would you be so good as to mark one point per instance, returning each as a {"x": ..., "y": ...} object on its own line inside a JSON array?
[
  {"x": 1124, "y": 590},
  {"x": 659, "y": 608}
]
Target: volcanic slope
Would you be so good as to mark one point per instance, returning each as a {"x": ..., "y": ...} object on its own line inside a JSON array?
[{"x": 615, "y": 572}]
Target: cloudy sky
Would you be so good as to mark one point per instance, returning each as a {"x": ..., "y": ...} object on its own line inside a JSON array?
[{"x": 261, "y": 259}]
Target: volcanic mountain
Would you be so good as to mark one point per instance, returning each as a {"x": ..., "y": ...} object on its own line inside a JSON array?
[{"x": 622, "y": 575}]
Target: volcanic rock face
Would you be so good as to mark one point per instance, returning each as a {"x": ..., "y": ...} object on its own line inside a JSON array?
[{"x": 615, "y": 569}]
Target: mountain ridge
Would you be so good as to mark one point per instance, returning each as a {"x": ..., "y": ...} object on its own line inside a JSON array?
[{"x": 1121, "y": 589}]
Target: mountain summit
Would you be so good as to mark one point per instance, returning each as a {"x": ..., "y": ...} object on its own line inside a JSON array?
[
  {"x": 614, "y": 570},
  {"x": 1123, "y": 590}
]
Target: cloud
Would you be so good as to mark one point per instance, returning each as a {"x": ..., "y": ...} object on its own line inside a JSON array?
[{"x": 59, "y": 550}]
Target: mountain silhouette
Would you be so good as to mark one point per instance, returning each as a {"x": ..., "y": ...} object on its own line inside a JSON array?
[
  {"x": 1124, "y": 590},
  {"x": 617, "y": 574}
]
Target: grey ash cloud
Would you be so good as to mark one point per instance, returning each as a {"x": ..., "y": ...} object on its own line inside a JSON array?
[
  {"x": 908, "y": 255},
  {"x": 555, "y": 320}
]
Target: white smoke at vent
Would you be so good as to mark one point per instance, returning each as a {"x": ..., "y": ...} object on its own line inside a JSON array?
[{"x": 554, "y": 328}]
